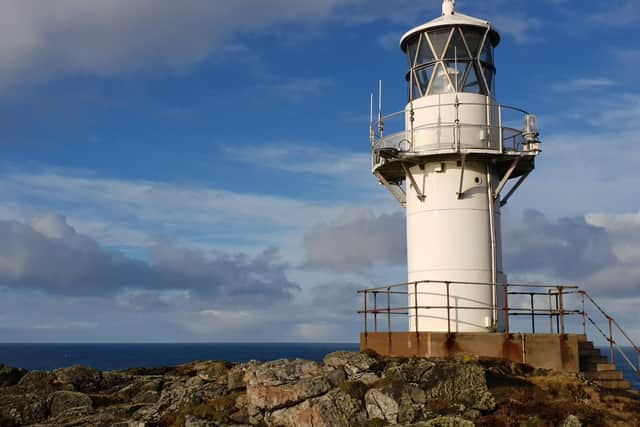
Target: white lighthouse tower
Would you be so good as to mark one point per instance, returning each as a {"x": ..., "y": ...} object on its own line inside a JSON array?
[{"x": 455, "y": 153}]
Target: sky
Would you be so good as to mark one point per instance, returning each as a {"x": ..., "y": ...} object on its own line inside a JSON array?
[{"x": 199, "y": 170}]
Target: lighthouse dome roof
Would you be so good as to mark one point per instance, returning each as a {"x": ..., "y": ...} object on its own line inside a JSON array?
[{"x": 449, "y": 20}]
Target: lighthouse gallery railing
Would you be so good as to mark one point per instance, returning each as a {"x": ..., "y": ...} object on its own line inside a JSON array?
[
  {"x": 503, "y": 135},
  {"x": 562, "y": 303}
]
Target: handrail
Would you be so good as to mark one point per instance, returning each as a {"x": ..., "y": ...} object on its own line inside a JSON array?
[
  {"x": 556, "y": 293},
  {"x": 610, "y": 338},
  {"x": 454, "y": 282},
  {"x": 451, "y": 104},
  {"x": 498, "y": 134}
]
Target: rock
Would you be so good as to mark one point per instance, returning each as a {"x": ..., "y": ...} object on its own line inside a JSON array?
[
  {"x": 37, "y": 380},
  {"x": 352, "y": 363},
  {"x": 148, "y": 396},
  {"x": 382, "y": 406},
  {"x": 368, "y": 378},
  {"x": 215, "y": 371},
  {"x": 335, "y": 409},
  {"x": 458, "y": 383},
  {"x": 409, "y": 371},
  {"x": 10, "y": 376},
  {"x": 571, "y": 421},
  {"x": 137, "y": 387},
  {"x": 281, "y": 372},
  {"x": 61, "y": 401},
  {"x": 191, "y": 421},
  {"x": 82, "y": 378},
  {"x": 443, "y": 422},
  {"x": 284, "y": 383},
  {"x": 74, "y": 415},
  {"x": 23, "y": 409},
  {"x": 349, "y": 390}
]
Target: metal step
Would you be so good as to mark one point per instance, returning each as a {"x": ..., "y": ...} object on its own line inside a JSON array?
[
  {"x": 604, "y": 375},
  {"x": 585, "y": 345},
  {"x": 589, "y": 352},
  {"x": 614, "y": 384},
  {"x": 593, "y": 359},
  {"x": 604, "y": 367}
]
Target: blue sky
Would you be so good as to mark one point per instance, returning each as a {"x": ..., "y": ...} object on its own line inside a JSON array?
[{"x": 199, "y": 170}]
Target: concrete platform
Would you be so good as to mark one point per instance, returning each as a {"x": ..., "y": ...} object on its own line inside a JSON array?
[{"x": 549, "y": 351}]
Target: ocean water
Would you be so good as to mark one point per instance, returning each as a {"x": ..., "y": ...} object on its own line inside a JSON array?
[
  {"x": 111, "y": 357},
  {"x": 123, "y": 356}
]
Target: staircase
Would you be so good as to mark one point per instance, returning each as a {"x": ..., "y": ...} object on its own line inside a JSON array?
[{"x": 596, "y": 367}]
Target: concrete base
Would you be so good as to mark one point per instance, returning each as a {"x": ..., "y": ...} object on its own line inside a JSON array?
[{"x": 549, "y": 351}]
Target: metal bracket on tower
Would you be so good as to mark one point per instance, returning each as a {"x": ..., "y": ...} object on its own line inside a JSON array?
[
  {"x": 506, "y": 177},
  {"x": 513, "y": 190},
  {"x": 460, "y": 193},
  {"x": 395, "y": 190},
  {"x": 414, "y": 184}
]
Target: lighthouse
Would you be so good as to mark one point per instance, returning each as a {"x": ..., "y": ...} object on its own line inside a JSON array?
[{"x": 453, "y": 157}]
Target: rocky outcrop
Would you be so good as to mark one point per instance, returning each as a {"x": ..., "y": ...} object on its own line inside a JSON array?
[
  {"x": 347, "y": 389},
  {"x": 61, "y": 401},
  {"x": 10, "y": 376}
]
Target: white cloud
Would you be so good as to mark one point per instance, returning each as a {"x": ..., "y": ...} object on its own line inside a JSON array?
[
  {"x": 357, "y": 241},
  {"x": 316, "y": 332},
  {"x": 522, "y": 30},
  {"x": 619, "y": 13},
  {"x": 118, "y": 37},
  {"x": 302, "y": 89},
  {"x": 625, "y": 230},
  {"x": 579, "y": 85},
  {"x": 52, "y": 256},
  {"x": 301, "y": 158},
  {"x": 390, "y": 41},
  {"x": 135, "y": 212}
]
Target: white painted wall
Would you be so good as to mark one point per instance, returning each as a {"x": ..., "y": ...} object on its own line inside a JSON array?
[{"x": 450, "y": 238}]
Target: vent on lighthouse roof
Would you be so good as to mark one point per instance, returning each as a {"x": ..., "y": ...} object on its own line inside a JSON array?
[{"x": 449, "y": 7}]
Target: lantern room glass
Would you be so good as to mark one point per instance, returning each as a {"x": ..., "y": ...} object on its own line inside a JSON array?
[{"x": 450, "y": 59}]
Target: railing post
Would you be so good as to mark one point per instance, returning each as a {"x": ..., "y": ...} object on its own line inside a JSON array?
[
  {"x": 612, "y": 355},
  {"x": 366, "y": 332},
  {"x": 375, "y": 311},
  {"x": 550, "y": 312},
  {"x": 584, "y": 315},
  {"x": 557, "y": 311},
  {"x": 448, "y": 309},
  {"x": 501, "y": 130},
  {"x": 561, "y": 306},
  {"x": 457, "y": 127},
  {"x": 389, "y": 312},
  {"x": 533, "y": 315},
  {"x": 506, "y": 307},
  {"x": 415, "y": 302}
]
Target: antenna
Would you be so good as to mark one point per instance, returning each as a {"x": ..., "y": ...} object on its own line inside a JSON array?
[
  {"x": 380, "y": 122},
  {"x": 372, "y": 135},
  {"x": 448, "y": 7}
]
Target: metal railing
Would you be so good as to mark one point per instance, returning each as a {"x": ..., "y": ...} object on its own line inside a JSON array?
[
  {"x": 566, "y": 308},
  {"x": 499, "y": 133}
]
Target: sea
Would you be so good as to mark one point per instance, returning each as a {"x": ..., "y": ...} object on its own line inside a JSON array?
[{"x": 109, "y": 357}]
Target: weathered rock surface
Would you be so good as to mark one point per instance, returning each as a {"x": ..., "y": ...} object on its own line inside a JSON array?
[
  {"x": 10, "y": 376},
  {"x": 348, "y": 389},
  {"x": 61, "y": 401}
]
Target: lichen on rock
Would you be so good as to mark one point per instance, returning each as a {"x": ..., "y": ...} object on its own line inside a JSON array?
[{"x": 348, "y": 389}]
